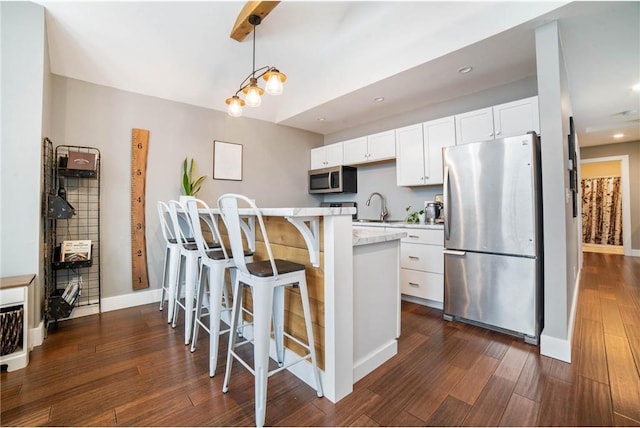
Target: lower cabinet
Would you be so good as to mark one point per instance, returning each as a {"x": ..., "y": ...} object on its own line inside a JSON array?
[{"x": 422, "y": 265}]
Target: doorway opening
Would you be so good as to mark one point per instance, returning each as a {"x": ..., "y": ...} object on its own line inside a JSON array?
[{"x": 606, "y": 219}]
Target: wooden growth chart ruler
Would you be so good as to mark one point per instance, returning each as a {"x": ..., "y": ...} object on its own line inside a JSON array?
[{"x": 139, "y": 151}]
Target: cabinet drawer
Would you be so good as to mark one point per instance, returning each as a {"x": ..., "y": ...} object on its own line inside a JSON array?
[
  {"x": 13, "y": 296},
  {"x": 425, "y": 285},
  {"x": 425, "y": 236},
  {"x": 422, "y": 257}
]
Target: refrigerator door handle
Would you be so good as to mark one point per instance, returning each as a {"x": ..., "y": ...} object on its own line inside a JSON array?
[
  {"x": 447, "y": 201},
  {"x": 455, "y": 252}
]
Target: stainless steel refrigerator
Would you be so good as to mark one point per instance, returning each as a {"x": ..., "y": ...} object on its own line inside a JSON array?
[{"x": 493, "y": 240}]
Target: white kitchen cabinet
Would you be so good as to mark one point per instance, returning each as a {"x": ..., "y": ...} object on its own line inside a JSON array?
[
  {"x": 516, "y": 118},
  {"x": 500, "y": 121},
  {"x": 410, "y": 155},
  {"x": 419, "y": 151},
  {"x": 474, "y": 126},
  {"x": 326, "y": 156},
  {"x": 422, "y": 265},
  {"x": 372, "y": 148}
]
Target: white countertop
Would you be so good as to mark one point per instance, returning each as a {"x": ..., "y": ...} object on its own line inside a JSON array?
[
  {"x": 368, "y": 236},
  {"x": 297, "y": 211},
  {"x": 400, "y": 224},
  {"x": 307, "y": 211}
]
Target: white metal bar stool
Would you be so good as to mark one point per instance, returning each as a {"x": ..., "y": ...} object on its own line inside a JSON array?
[
  {"x": 267, "y": 280},
  {"x": 171, "y": 261},
  {"x": 215, "y": 260},
  {"x": 188, "y": 250}
]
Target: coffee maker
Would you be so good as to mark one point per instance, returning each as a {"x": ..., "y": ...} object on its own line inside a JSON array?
[{"x": 434, "y": 213}]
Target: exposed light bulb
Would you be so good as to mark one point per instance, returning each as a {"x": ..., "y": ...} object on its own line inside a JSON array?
[
  {"x": 275, "y": 81},
  {"x": 235, "y": 106},
  {"x": 254, "y": 93},
  {"x": 274, "y": 85},
  {"x": 618, "y": 135}
]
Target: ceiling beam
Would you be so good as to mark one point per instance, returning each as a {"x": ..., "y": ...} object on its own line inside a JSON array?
[{"x": 242, "y": 28}]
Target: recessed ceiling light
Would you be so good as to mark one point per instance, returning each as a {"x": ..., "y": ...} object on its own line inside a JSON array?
[
  {"x": 636, "y": 87},
  {"x": 465, "y": 69},
  {"x": 618, "y": 135},
  {"x": 378, "y": 99},
  {"x": 322, "y": 119}
]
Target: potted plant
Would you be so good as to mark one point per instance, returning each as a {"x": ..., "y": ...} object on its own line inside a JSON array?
[
  {"x": 414, "y": 216},
  {"x": 190, "y": 186}
]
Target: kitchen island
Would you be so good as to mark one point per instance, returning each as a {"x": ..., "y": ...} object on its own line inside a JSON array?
[{"x": 337, "y": 258}]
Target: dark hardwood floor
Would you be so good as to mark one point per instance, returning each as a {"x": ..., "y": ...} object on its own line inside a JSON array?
[{"x": 130, "y": 368}]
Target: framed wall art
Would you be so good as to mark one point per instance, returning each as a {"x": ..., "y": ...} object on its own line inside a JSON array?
[{"x": 227, "y": 161}]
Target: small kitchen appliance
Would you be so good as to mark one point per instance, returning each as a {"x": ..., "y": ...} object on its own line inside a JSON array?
[
  {"x": 431, "y": 211},
  {"x": 336, "y": 179}
]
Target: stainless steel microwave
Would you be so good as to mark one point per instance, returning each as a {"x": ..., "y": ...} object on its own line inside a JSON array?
[{"x": 336, "y": 179}]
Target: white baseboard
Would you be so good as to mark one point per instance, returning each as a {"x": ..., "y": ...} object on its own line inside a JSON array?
[
  {"x": 560, "y": 349},
  {"x": 130, "y": 300},
  {"x": 424, "y": 302},
  {"x": 635, "y": 253},
  {"x": 557, "y": 348},
  {"x": 36, "y": 336},
  {"x": 374, "y": 360}
]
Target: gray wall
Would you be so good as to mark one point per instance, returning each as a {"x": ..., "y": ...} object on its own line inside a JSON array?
[
  {"x": 632, "y": 149},
  {"x": 561, "y": 244},
  {"x": 276, "y": 160},
  {"x": 23, "y": 46}
]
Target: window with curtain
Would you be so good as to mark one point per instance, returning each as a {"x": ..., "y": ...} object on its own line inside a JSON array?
[{"x": 601, "y": 211}]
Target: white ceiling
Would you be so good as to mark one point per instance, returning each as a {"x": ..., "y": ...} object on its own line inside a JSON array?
[{"x": 338, "y": 56}]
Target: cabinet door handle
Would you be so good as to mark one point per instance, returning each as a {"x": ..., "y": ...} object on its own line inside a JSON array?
[
  {"x": 498, "y": 133},
  {"x": 490, "y": 134},
  {"x": 413, "y": 284},
  {"x": 414, "y": 258},
  {"x": 413, "y": 236}
]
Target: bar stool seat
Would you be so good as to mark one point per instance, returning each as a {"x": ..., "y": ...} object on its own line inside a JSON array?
[
  {"x": 263, "y": 269},
  {"x": 267, "y": 280}
]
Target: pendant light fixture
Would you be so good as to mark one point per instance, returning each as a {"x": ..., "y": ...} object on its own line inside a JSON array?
[{"x": 249, "y": 86}]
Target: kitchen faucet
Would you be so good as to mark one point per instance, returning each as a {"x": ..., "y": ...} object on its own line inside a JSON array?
[{"x": 383, "y": 205}]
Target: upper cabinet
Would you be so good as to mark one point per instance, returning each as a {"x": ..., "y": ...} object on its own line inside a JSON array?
[
  {"x": 372, "y": 148},
  {"x": 326, "y": 156},
  {"x": 419, "y": 151},
  {"x": 501, "y": 121},
  {"x": 516, "y": 118}
]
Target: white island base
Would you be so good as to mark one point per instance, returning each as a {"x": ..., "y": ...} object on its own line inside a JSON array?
[{"x": 376, "y": 299}]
